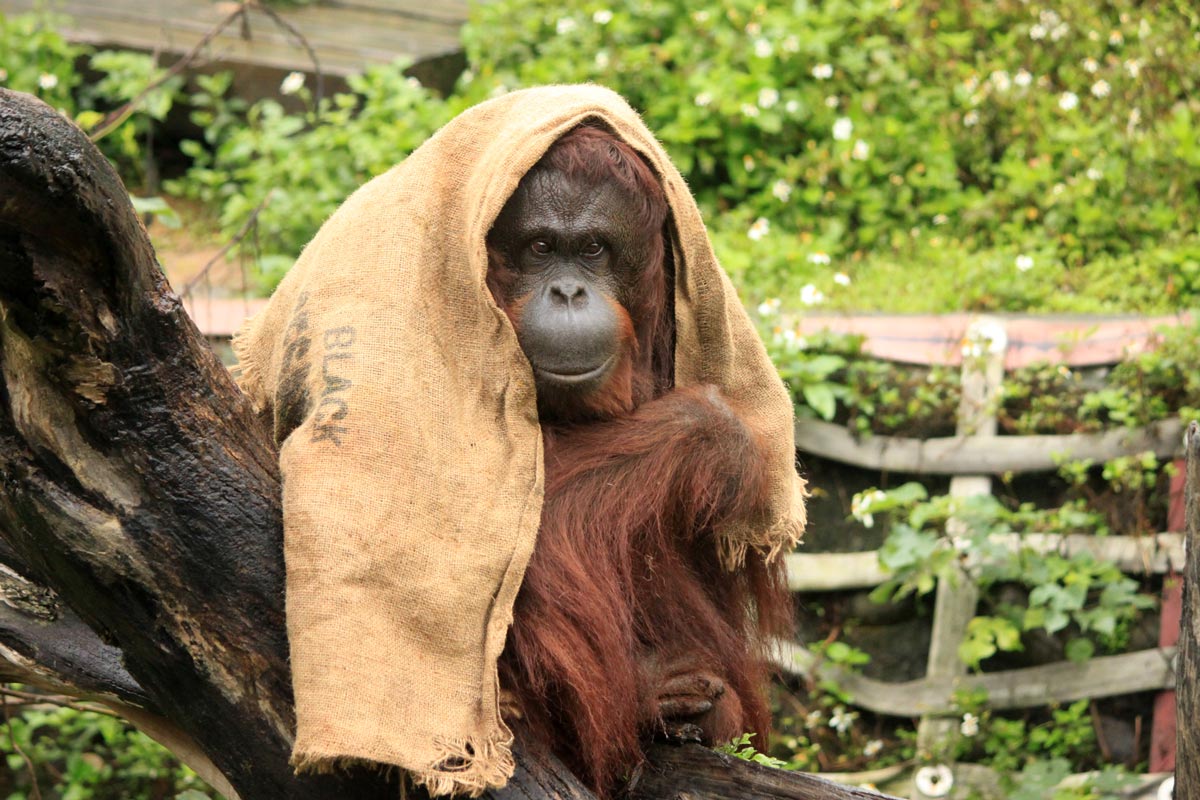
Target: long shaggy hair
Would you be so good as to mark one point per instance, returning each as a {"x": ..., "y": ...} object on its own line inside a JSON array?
[{"x": 625, "y": 572}]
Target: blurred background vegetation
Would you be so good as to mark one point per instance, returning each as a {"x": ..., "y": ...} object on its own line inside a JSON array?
[{"x": 848, "y": 155}]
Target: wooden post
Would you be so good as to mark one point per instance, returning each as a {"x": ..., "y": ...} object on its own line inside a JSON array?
[
  {"x": 1162, "y": 730},
  {"x": 1187, "y": 756},
  {"x": 982, "y": 375}
]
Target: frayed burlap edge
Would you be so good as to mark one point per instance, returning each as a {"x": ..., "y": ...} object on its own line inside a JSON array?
[
  {"x": 247, "y": 372},
  {"x": 737, "y": 539},
  {"x": 484, "y": 766}
]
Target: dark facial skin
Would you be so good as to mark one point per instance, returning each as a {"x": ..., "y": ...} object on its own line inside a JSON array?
[{"x": 573, "y": 258}]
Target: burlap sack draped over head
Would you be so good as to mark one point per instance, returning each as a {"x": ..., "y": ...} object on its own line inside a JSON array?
[{"x": 411, "y": 454}]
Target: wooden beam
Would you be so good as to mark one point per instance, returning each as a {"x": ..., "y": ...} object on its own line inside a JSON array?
[
  {"x": 994, "y": 455},
  {"x": 1060, "y": 682},
  {"x": 830, "y": 572}
]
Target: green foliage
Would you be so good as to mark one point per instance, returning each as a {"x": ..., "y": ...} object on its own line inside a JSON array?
[
  {"x": 298, "y": 167},
  {"x": 1003, "y": 155},
  {"x": 1094, "y": 598},
  {"x": 35, "y": 58},
  {"x": 78, "y": 755},
  {"x": 742, "y": 748}
]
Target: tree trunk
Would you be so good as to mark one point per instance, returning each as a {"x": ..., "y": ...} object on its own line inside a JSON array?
[
  {"x": 141, "y": 562},
  {"x": 1187, "y": 735}
]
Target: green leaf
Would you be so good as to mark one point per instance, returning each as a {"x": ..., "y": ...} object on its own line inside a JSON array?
[
  {"x": 1080, "y": 650},
  {"x": 820, "y": 398}
]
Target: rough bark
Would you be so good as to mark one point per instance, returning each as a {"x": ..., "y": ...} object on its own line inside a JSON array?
[
  {"x": 141, "y": 562},
  {"x": 1187, "y": 741}
]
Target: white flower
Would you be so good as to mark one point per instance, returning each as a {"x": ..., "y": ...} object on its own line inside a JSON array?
[
  {"x": 1067, "y": 101},
  {"x": 791, "y": 45},
  {"x": 753, "y": 28},
  {"x": 819, "y": 257},
  {"x": 934, "y": 781},
  {"x": 822, "y": 72},
  {"x": 843, "y": 128},
  {"x": 1135, "y": 117},
  {"x": 760, "y": 228},
  {"x": 1116, "y": 39},
  {"x": 813, "y": 718},
  {"x": 565, "y": 26},
  {"x": 1143, "y": 28},
  {"x": 860, "y": 506},
  {"x": 841, "y": 279},
  {"x": 1023, "y": 78},
  {"x": 768, "y": 97},
  {"x": 792, "y": 106},
  {"x": 971, "y": 119},
  {"x": 1093, "y": 35},
  {"x": 1090, "y": 64},
  {"x": 749, "y": 110},
  {"x": 1060, "y": 30},
  {"x": 769, "y": 307},
  {"x": 782, "y": 190},
  {"x": 832, "y": 101},
  {"x": 1024, "y": 263},
  {"x": 1058, "y": 189},
  {"x": 1037, "y": 32},
  {"x": 873, "y": 748},
  {"x": 602, "y": 59},
  {"x": 412, "y": 83},
  {"x": 47, "y": 80},
  {"x": 1101, "y": 88},
  {"x": 861, "y": 151},
  {"x": 700, "y": 16},
  {"x": 940, "y": 219},
  {"x": 1094, "y": 174},
  {"x": 810, "y": 295},
  {"x": 762, "y": 48},
  {"x": 3, "y": 74},
  {"x": 602, "y": 17},
  {"x": 841, "y": 719},
  {"x": 1133, "y": 67},
  {"x": 971, "y": 84},
  {"x": 970, "y": 725},
  {"x": 292, "y": 83},
  {"x": 1000, "y": 80},
  {"x": 748, "y": 163},
  {"x": 703, "y": 99}
]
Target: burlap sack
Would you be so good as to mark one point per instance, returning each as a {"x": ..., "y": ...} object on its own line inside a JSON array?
[{"x": 411, "y": 453}]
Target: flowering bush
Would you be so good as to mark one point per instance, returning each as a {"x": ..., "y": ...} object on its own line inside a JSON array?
[{"x": 991, "y": 155}]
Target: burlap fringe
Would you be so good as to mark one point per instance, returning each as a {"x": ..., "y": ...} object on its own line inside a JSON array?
[
  {"x": 734, "y": 542},
  {"x": 247, "y": 372},
  {"x": 481, "y": 766}
]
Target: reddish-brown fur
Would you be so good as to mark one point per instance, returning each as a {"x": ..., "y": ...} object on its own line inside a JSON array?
[{"x": 625, "y": 581}]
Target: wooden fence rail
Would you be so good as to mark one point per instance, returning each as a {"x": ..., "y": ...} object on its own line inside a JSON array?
[
  {"x": 970, "y": 457},
  {"x": 829, "y": 572},
  {"x": 994, "y": 455}
]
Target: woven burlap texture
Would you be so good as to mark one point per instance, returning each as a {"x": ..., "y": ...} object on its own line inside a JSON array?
[{"x": 411, "y": 454}]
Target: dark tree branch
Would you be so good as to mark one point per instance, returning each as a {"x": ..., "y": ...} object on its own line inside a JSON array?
[
  {"x": 1187, "y": 698},
  {"x": 139, "y": 487}
]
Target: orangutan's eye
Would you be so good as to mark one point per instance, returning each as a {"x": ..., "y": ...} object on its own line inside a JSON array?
[
  {"x": 593, "y": 249},
  {"x": 541, "y": 247}
]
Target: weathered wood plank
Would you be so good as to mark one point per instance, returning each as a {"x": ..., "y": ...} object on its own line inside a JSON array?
[
  {"x": 346, "y": 38},
  {"x": 1061, "y": 682},
  {"x": 1138, "y": 555},
  {"x": 994, "y": 455},
  {"x": 1076, "y": 340},
  {"x": 957, "y": 593}
]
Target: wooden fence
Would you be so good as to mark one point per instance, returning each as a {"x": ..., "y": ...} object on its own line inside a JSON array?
[{"x": 971, "y": 458}]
